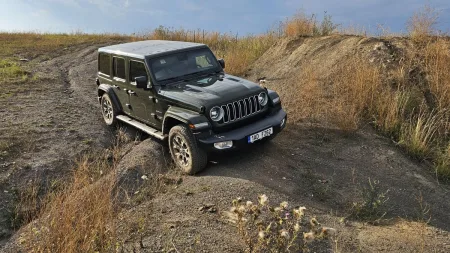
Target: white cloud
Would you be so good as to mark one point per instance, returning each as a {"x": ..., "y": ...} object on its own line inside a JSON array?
[{"x": 40, "y": 13}]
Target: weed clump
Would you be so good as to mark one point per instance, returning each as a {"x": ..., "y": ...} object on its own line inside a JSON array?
[
  {"x": 303, "y": 25},
  {"x": 266, "y": 228},
  {"x": 422, "y": 23},
  {"x": 371, "y": 208},
  {"x": 11, "y": 71}
]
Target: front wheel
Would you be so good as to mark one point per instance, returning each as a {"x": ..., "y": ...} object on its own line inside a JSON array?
[{"x": 187, "y": 155}]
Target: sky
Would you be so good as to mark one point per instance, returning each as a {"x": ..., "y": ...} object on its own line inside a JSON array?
[{"x": 234, "y": 16}]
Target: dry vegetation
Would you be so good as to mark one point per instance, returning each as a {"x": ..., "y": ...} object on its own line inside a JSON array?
[
  {"x": 304, "y": 25},
  {"x": 79, "y": 216},
  {"x": 413, "y": 111},
  {"x": 408, "y": 102},
  {"x": 267, "y": 228}
]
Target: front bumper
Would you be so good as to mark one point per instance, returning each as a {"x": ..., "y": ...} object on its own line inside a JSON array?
[{"x": 240, "y": 135}]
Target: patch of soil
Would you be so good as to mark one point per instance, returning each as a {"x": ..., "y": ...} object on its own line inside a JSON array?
[{"x": 47, "y": 124}]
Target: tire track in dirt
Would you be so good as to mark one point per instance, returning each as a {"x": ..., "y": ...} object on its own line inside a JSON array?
[{"x": 57, "y": 121}]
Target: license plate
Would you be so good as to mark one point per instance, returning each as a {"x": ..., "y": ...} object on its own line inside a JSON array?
[{"x": 258, "y": 136}]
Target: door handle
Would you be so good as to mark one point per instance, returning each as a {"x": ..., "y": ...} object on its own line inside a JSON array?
[
  {"x": 116, "y": 86},
  {"x": 131, "y": 92}
]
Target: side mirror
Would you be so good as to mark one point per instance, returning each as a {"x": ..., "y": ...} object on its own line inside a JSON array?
[
  {"x": 141, "y": 82},
  {"x": 222, "y": 63}
]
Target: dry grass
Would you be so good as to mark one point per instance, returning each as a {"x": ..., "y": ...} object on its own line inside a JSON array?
[
  {"x": 408, "y": 102},
  {"x": 31, "y": 45},
  {"x": 436, "y": 55},
  {"x": 302, "y": 24},
  {"x": 355, "y": 88},
  {"x": 344, "y": 99},
  {"x": 79, "y": 216},
  {"x": 442, "y": 163},
  {"x": 418, "y": 134},
  {"x": 422, "y": 23}
]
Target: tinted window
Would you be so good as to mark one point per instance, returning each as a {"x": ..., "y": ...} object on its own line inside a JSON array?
[
  {"x": 184, "y": 63},
  {"x": 104, "y": 64},
  {"x": 137, "y": 69},
  {"x": 119, "y": 68}
]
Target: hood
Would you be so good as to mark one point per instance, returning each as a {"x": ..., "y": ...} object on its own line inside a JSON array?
[{"x": 210, "y": 91}]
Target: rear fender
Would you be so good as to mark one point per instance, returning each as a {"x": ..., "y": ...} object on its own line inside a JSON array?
[{"x": 108, "y": 89}]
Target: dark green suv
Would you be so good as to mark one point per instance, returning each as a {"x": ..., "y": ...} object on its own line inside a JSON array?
[{"x": 179, "y": 91}]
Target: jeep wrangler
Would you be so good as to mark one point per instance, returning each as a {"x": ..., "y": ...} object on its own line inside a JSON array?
[{"x": 178, "y": 91}]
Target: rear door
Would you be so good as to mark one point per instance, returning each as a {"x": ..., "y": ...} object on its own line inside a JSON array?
[
  {"x": 120, "y": 84},
  {"x": 142, "y": 100}
]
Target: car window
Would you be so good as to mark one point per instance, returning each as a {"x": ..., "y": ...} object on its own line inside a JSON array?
[
  {"x": 119, "y": 67},
  {"x": 179, "y": 64},
  {"x": 137, "y": 69},
  {"x": 104, "y": 63}
]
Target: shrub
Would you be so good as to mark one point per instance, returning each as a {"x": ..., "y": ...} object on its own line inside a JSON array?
[
  {"x": 422, "y": 23},
  {"x": 417, "y": 136},
  {"x": 266, "y": 228},
  {"x": 371, "y": 208},
  {"x": 303, "y": 25}
]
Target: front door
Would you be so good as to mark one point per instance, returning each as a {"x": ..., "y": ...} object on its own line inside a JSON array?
[
  {"x": 142, "y": 100},
  {"x": 120, "y": 85}
]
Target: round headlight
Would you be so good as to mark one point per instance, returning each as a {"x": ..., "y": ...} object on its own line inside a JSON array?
[
  {"x": 216, "y": 113},
  {"x": 262, "y": 98}
]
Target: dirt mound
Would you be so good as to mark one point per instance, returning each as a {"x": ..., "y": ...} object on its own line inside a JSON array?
[
  {"x": 189, "y": 217},
  {"x": 284, "y": 63},
  {"x": 313, "y": 74},
  {"x": 143, "y": 162}
]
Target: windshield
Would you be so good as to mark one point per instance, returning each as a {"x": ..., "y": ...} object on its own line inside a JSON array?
[{"x": 181, "y": 64}]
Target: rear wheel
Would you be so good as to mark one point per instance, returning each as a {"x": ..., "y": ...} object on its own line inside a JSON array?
[
  {"x": 109, "y": 111},
  {"x": 187, "y": 155}
]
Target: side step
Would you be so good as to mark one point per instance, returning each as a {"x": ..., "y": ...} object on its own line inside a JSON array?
[{"x": 143, "y": 127}]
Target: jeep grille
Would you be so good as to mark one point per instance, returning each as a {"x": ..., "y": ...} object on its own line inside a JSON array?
[{"x": 241, "y": 109}]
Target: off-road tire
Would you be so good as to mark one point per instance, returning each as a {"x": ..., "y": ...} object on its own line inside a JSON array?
[
  {"x": 186, "y": 154},
  {"x": 109, "y": 111}
]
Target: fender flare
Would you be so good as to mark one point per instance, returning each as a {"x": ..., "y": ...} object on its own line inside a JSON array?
[
  {"x": 188, "y": 117},
  {"x": 106, "y": 88}
]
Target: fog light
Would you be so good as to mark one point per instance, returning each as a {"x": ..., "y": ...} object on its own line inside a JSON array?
[
  {"x": 223, "y": 144},
  {"x": 283, "y": 121}
]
